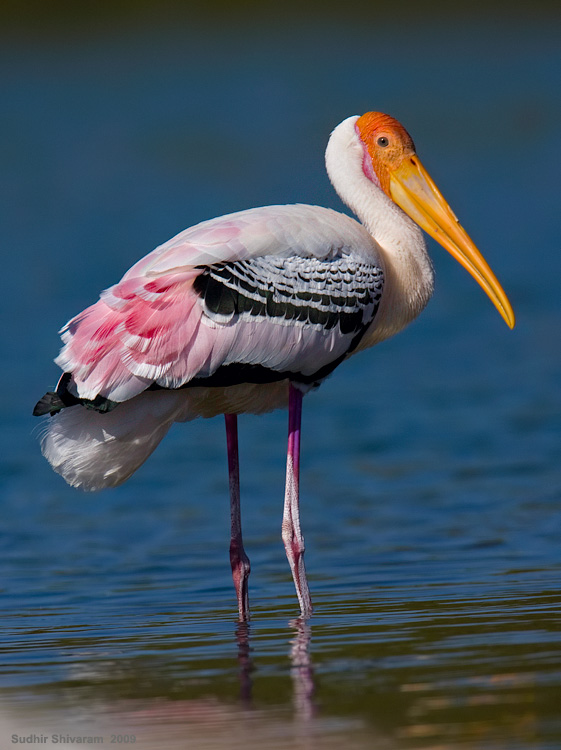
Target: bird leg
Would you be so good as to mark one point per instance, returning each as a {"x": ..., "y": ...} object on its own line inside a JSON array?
[
  {"x": 291, "y": 533},
  {"x": 238, "y": 559}
]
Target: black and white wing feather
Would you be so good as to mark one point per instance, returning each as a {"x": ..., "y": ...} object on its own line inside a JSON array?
[{"x": 319, "y": 307}]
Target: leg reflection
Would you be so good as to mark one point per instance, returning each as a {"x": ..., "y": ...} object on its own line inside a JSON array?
[
  {"x": 245, "y": 662},
  {"x": 302, "y": 671}
]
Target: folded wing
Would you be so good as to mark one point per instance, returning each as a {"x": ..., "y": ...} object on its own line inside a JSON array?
[{"x": 275, "y": 292}]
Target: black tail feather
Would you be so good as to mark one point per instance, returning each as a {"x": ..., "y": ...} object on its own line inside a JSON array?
[{"x": 53, "y": 401}]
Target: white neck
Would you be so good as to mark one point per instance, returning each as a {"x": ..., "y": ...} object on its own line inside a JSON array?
[{"x": 409, "y": 278}]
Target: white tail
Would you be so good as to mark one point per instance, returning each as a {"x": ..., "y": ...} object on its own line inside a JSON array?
[{"x": 93, "y": 451}]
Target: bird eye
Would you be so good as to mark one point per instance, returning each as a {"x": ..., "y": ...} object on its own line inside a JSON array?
[{"x": 383, "y": 141}]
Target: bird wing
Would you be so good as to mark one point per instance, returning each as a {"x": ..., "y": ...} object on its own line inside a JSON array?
[{"x": 281, "y": 291}]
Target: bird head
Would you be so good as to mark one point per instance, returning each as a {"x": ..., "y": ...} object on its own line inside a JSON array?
[{"x": 391, "y": 163}]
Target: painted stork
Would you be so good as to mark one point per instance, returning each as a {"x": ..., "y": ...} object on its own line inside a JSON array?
[{"x": 247, "y": 313}]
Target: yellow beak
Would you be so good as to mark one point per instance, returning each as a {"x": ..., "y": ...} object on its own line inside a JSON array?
[{"x": 412, "y": 188}]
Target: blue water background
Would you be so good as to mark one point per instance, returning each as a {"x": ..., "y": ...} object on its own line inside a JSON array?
[{"x": 431, "y": 465}]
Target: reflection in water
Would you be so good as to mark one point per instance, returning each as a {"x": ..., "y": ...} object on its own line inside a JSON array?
[
  {"x": 420, "y": 671},
  {"x": 245, "y": 662},
  {"x": 302, "y": 670},
  {"x": 191, "y": 723}
]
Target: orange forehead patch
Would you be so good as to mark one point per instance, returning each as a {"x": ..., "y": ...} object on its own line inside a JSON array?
[
  {"x": 386, "y": 144},
  {"x": 372, "y": 124}
]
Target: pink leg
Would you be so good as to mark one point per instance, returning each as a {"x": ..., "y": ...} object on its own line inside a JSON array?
[
  {"x": 238, "y": 559},
  {"x": 291, "y": 533}
]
